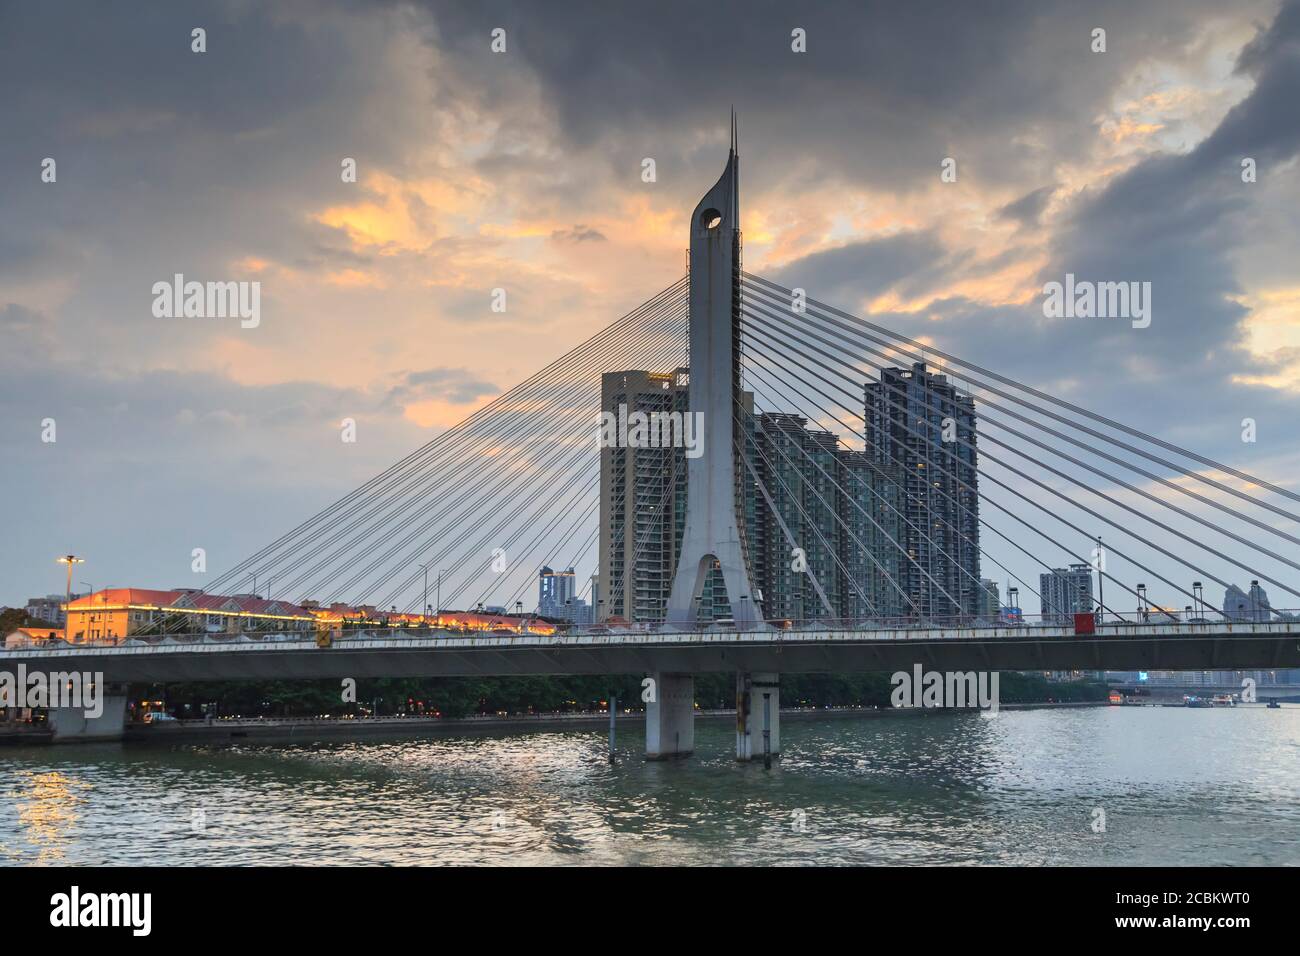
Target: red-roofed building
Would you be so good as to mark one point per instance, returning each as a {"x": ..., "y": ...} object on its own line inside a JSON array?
[{"x": 115, "y": 613}]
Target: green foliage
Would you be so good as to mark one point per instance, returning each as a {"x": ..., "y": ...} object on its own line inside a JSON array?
[
  {"x": 466, "y": 696},
  {"x": 15, "y": 617}
]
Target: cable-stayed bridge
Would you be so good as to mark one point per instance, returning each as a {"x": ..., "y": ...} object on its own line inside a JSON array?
[{"x": 745, "y": 479}]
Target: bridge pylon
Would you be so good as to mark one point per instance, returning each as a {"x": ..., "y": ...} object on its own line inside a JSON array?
[{"x": 713, "y": 536}]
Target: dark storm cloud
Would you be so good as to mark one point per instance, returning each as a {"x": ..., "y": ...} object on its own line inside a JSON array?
[
  {"x": 186, "y": 161},
  {"x": 913, "y": 262},
  {"x": 885, "y": 90},
  {"x": 1176, "y": 221},
  {"x": 1028, "y": 208},
  {"x": 449, "y": 384},
  {"x": 578, "y": 233}
]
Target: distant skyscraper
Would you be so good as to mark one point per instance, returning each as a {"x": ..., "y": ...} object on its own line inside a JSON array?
[
  {"x": 783, "y": 451},
  {"x": 555, "y": 592},
  {"x": 1066, "y": 592},
  {"x": 823, "y": 498},
  {"x": 990, "y": 603},
  {"x": 850, "y": 514},
  {"x": 49, "y": 608},
  {"x": 921, "y": 438},
  {"x": 864, "y": 553},
  {"x": 1252, "y": 605},
  {"x": 642, "y": 495}
]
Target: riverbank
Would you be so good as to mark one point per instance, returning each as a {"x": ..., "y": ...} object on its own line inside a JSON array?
[{"x": 308, "y": 729}]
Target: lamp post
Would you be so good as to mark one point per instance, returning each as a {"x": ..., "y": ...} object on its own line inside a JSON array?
[
  {"x": 1199, "y": 597},
  {"x": 1142, "y": 603},
  {"x": 1101, "y": 581},
  {"x": 69, "y": 560},
  {"x": 425, "y": 569}
]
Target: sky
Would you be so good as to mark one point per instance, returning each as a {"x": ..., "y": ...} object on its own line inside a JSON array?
[{"x": 523, "y": 170}]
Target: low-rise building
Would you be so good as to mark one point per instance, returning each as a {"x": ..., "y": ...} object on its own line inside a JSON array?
[
  {"x": 27, "y": 636},
  {"x": 116, "y": 613},
  {"x": 119, "y": 613}
]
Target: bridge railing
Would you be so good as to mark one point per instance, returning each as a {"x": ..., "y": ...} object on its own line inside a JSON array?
[{"x": 920, "y": 628}]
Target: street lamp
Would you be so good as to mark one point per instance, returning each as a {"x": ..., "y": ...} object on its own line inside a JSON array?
[
  {"x": 69, "y": 560},
  {"x": 1101, "y": 581},
  {"x": 1142, "y": 603},
  {"x": 425, "y": 569},
  {"x": 1199, "y": 597}
]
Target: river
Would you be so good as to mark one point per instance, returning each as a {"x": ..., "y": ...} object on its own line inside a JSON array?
[{"x": 1170, "y": 785}]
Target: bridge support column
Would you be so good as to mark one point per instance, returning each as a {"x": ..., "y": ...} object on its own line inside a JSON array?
[
  {"x": 670, "y": 717},
  {"x": 71, "y": 724},
  {"x": 758, "y": 721}
]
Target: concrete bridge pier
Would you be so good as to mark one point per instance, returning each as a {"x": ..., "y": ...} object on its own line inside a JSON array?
[
  {"x": 670, "y": 717},
  {"x": 71, "y": 724},
  {"x": 758, "y": 722}
]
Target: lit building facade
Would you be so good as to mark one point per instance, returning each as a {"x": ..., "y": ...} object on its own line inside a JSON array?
[{"x": 117, "y": 613}]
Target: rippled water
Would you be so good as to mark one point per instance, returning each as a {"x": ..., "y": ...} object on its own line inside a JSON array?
[{"x": 1177, "y": 787}]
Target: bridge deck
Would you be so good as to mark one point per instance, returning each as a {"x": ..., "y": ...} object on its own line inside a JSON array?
[{"x": 383, "y": 654}]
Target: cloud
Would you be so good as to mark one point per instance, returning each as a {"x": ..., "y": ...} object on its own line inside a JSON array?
[
  {"x": 1028, "y": 209},
  {"x": 860, "y": 270},
  {"x": 521, "y": 171},
  {"x": 453, "y": 384},
  {"x": 578, "y": 233}
]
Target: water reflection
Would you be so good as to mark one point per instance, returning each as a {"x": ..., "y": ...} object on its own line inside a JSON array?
[{"x": 46, "y": 808}]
